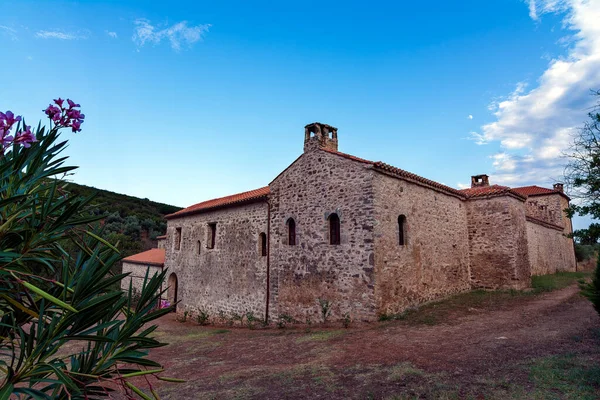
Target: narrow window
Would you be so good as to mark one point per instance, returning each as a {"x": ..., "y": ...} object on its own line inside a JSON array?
[
  {"x": 212, "y": 235},
  {"x": 262, "y": 238},
  {"x": 402, "y": 230},
  {"x": 177, "y": 238},
  {"x": 199, "y": 247},
  {"x": 291, "y": 232},
  {"x": 334, "y": 229}
]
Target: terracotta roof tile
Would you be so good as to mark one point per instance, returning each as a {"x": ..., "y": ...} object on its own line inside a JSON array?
[
  {"x": 492, "y": 190},
  {"x": 414, "y": 177},
  {"x": 534, "y": 190},
  {"x": 150, "y": 257},
  {"x": 222, "y": 202},
  {"x": 399, "y": 172}
]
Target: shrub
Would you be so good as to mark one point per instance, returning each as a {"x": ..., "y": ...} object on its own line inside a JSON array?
[
  {"x": 325, "y": 306},
  {"x": 202, "y": 317},
  {"x": 591, "y": 290},
  {"x": 66, "y": 331},
  {"x": 283, "y": 320},
  {"x": 346, "y": 320}
]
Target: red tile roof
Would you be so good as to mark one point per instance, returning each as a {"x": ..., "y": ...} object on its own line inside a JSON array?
[
  {"x": 381, "y": 166},
  {"x": 239, "y": 198},
  {"x": 492, "y": 190},
  {"x": 534, "y": 190},
  {"x": 150, "y": 257},
  {"x": 476, "y": 192},
  {"x": 414, "y": 177}
]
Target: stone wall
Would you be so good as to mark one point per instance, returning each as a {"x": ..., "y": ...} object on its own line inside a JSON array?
[
  {"x": 547, "y": 208},
  {"x": 229, "y": 278},
  {"x": 314, "y": 186},
  {"x": 549, "y": 250},
  {"x": 498, "y": 243},
  {"x": 137, "y": 275},
  {"x": 434, "y": 260}
]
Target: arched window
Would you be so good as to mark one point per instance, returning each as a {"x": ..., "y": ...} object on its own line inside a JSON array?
[
  {"x": 291, "y": 224},
  {"x": 262, "y": 238},
  {"x": 402, "y": 230},
  {"x": 334, "y": 229}
]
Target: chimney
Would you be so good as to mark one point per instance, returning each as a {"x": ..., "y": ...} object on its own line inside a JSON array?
[
  {"x": 480, "y": 180},
  {"x": 559, "y": 187},
  {"x": 318, "y": 135}
]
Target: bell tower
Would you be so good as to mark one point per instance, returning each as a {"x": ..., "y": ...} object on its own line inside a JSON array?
[{"x": 318, "y": 135}]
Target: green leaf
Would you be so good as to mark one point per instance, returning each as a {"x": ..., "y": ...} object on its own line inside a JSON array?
[
  {"x": 48, "y": 297},
  {"x": 6, "y": 391}
]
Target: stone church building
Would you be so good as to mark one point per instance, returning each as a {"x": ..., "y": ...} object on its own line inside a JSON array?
[{"x": 368, "y": 237}]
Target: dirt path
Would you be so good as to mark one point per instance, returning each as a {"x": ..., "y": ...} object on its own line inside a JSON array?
[{"x": 361, "y": 361}]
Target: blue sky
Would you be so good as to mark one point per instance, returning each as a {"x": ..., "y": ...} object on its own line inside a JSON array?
[{"x": 187, "y": 101}]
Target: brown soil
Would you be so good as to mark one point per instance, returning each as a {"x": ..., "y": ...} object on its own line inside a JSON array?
[{"x": 460, "y": 355}]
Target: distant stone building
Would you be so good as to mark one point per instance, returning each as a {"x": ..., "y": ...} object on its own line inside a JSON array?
[
  {"x": 151, "y": 261},
  {"x": 369, "y": 238}
]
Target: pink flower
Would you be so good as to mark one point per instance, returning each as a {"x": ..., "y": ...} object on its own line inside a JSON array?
[
  {"x": 53, "y": 112},
  {"x": 10, "y": 118},
  {"x": 25, "y": 137},
  {"x": 72, "y": 103},
  {"x": 165, "y": 304},
  {"x": 59, "y": 102},
  {"x": 76, "y": 125}
]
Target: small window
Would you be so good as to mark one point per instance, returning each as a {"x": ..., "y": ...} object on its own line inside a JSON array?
[
  {"x": 177, "y": 238},
  {"x": 402, "y": 230},
  {"x": 199, "y": 246},
  {"x": 262, "y": 238},
  {"x": 334, "y": 229},
  {"x": 212, "y": 232},
  {"x": 291, "y": 225}
]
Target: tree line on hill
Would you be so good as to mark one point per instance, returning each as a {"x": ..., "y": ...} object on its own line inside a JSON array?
[{"x": 131, "y": 223}]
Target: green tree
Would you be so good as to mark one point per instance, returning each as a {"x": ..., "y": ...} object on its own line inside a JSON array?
[
  {"x": 583, "y": 178},
  {"x": 588, "y": 236},
  {"x": 582, "y": 173},
  {"x": 66, "y": 331}
]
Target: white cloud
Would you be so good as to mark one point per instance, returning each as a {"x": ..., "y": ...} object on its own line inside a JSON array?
[
  {"x": 535, "y": 126},
  {"x": 58, "y": 34},
  {"x": 470, "y": 116},
  {"x": 12, "y": 33},
  {"x": 178, "y": 34},
  {"x": 112, "y": 34},
  {"x": 463, "y": 185},
  {"x": 533, "y": 10}
]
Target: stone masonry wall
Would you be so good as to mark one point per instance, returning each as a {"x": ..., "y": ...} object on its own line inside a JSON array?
[
  {"x": 434, "y": 261},
  {"x": 549, "y": 250},
  {"x": 318, "y": 184},
  {"x": 137, "y": 275},
  {"x": 229, "y": 278},
  {"x": 547, "y": 208},
  {"x": 498, "y": 243}
]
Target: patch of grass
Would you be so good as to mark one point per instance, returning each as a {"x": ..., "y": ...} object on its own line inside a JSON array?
[
  {"x": 467, "y": 303},
  {"x": 320, "y": 336},
  {"x": 565, "y": 376},
  {"x": 559, "y": 280},
  {"x": 402, "y": 371}
]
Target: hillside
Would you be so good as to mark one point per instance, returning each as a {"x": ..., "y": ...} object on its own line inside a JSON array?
[{"x": 131, "y": 222}]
